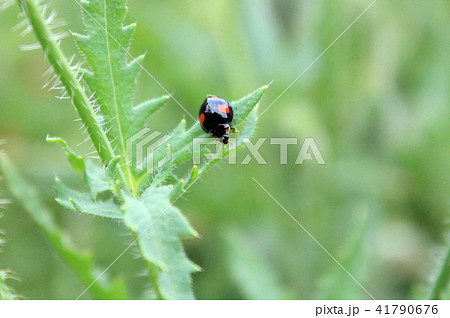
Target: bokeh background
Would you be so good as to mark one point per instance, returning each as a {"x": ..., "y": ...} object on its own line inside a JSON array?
[{"x": 376, "y": 104}]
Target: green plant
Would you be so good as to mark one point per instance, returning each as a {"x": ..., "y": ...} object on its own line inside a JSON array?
[
  {"x": 440, "y": 283},
  {"x": 80, "y": 262},
  {"x": 5, "y": 290},
  {"x": 117, "y": 190}
]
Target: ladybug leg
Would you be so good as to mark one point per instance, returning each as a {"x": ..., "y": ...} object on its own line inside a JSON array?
[
  {"x": 221, "y": 132},
  {"x": 234, "y": 130}
]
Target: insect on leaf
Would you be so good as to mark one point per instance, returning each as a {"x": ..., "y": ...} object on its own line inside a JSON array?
[{"x": 182, "y": 144}]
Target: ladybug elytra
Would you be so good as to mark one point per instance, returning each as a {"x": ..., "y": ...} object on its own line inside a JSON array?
[{"x": 215, "y": 116}]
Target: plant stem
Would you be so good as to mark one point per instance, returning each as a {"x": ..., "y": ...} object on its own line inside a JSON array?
[
  {"x": 76, "y": 92},
  {"x": 442, "y": 279},
  {"x": 153, "y": 271}
]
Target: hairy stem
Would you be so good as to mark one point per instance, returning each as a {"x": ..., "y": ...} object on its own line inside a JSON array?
[{"x": 76, "y": 92}]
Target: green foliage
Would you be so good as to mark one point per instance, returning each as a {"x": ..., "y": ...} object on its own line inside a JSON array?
[
  {"x": 64, "y": 72},
  {"x": 159, "y": 228},
  {"x": 84, "y": 203},
  {"x": 376, "y": 104},
  {"x": 116, "y": 190},
  {"x": 250, "y": 268},
  {"x": 335, "y": 283},
  {"x": 5, "y": 291},
  {"x": 112, "y": 77},
  {"x": 142, "y": 112},
  {"x": 75, "y": 161},
  {"x": 81, "y": 263},
  {"x": 440, "y": 284}
]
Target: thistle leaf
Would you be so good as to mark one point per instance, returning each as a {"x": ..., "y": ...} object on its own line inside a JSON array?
[
  {"x": 110, "y": 172},
  {"x": 245, "y": 105},
  {"x": 143, "y": 111},
  {"x": 113, "y": 76},
  {"x": 160, "y": 227},
  {"x": 75, "y": 161},
  {"x": 94, "y": 175},
  {"x": 96, "y": 179},
  {"x": 145, "y": 178},
  {"x": 83, "y": 203},
  {"x": 162, "y": 172}
]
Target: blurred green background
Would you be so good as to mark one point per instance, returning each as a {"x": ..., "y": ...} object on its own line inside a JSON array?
[{"x": 376, "y": 104}]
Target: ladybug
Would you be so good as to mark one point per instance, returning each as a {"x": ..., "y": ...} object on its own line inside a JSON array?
[{"x": 215, "y": 116}]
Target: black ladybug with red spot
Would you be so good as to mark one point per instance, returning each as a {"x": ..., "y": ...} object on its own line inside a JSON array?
[{"x": 215, "y": 116}]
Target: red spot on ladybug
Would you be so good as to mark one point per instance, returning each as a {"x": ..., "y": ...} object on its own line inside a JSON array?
[
  {"x": 223, "y": 108},
  {"x": 202, "y": 118}
]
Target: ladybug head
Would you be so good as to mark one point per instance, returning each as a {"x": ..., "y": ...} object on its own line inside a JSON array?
[{"x": 224, "y": 139}]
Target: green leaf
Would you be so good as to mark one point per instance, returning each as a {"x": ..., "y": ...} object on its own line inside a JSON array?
[
  {"x": 96, "y": 179},
  {"x": 93, "y": 174},
  {"x": 146, "y": 178},
  {"x": 83, "y": 203},
  {"x": 249, "y": 267},
  {"x": 244, "y": 106},
  {"x": 142, "y": 112},
  {"x": 335, "y": 283},
  {"x": 77, "y": 162},
  {"x": 178, "y": 134},
  {"x": 192, "y": 177},
  {"x": 163, "y": 172},
  {"x": 160, "y": 227},
  {"x": 27, "y": 195},
  {"x": 81, "y": 263},
  {"x": 110, "y": 173},
  {"x": 111, "y": 170},
  {"x": 113, "y": 76}
]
